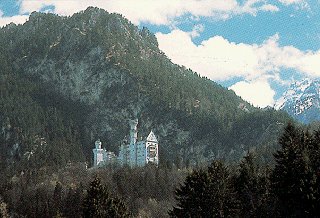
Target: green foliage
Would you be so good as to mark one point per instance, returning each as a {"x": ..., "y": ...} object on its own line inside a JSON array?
[
  {"x": 250, "y": 189},
  {"x": 73, "y": 202},
  {"x": 252, "y": 186},
  {"x": 290, "y": 189},
  {"x": 57, "y": 203},
  {"x": 294, "y": 178},
  {"x": 98, "y": 203},
  {"x": 207, "y": 193},
  {"x": 34, "y": 134},
  {"x": 43, "y": 193}
]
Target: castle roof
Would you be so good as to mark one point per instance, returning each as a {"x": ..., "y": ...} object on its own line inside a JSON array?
[{"x": 151, "y": 137}]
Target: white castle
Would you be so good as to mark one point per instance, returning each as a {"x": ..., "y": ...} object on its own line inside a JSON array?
[{"x": 137, "y": 153}]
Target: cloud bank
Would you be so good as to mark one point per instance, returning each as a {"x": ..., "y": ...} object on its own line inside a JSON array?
[
  {"x": 164, "y": 12},
  {"x": 294, "y": 2},
  {"x": 154, "y": 11},
  {"x": 219, "y": 59},
  {"x": 262, "y": 95}
]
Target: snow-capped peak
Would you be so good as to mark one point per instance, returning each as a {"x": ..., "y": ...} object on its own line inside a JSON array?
[{"x": 302, "y": 100}]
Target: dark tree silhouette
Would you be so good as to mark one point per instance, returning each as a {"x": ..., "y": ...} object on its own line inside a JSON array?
[
  {"x": 207, "y": 193},
  {"x": 293, "y": 180},
  {"x": 99, "y": 204},
  {"x": 252, "y": 186}
]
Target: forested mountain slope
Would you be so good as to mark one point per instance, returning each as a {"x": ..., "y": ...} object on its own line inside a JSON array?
[{"x": 66, "y": 81}]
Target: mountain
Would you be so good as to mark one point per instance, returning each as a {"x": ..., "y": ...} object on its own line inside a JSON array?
[
  {"x": 67, "y": 81},
  {"x": 302, "y": 101}
]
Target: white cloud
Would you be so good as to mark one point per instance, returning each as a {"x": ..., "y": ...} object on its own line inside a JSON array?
[
  {"x": 28, "y": 6},
  {"x": 219, "y": 59},
  {"x": 154, "y": 11},
  {"x": 216, "y": 58},
  {"x": 259, "y": 93},
  {"x": 254, "y": 6},
  {"x": 310, "y": 63},
  {"x": 273, "y": 57},
  {"x": 298, "y": 4},
  {"x": 197, "y": 30},
  {"x": 290, "y": 2},
  {"x": 269, "y": 7},
  {"x": 18, "y": 19}
]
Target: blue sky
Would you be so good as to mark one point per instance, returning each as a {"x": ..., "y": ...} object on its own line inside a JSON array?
[{"x": 254, "y": 47}]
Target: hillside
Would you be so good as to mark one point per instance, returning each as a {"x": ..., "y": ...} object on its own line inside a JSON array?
[{"x": 66, "y": 81}]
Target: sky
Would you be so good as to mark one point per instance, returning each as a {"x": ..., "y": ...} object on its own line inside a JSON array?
[{"x": 256, "y": 48}]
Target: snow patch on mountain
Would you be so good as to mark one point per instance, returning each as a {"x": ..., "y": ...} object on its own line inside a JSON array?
[{"x": 302, "y": 100}]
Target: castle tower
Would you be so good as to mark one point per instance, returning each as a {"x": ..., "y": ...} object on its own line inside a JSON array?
[
  {"x": 152, "y": 149},
  {"x": 97, "y": 153},
  {"x": 133, "y": 131},
  {"x": 133, "y": 143}
]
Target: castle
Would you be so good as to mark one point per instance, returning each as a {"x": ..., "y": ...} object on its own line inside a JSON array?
[{"x": 136, "y": 153}]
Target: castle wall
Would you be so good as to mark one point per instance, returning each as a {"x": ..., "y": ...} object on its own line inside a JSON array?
[
  {"x": 152, "y": 153},
  {"x": 141, "y": 153},
  {"x": 98, "y": 156}
]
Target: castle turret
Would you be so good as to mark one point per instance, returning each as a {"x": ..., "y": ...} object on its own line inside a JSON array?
[
  {"x": 98, "y": 144},
  {"x": 97, "y": 153},
  {"x": 133, "y": 142},
  {"x": 152, "y": 149},
  {"x": 133, "y": 131}
]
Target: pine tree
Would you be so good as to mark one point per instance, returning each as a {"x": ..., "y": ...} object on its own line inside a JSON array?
[
  {"x": 99, "y": 204},
  {"x": 252, "y": 187},
  {"x": 206, "y": 193},
  {"x": 72, "y": 203},
  {"x": 292, "y": 179},
  {"x": 56, "y": 207},
  {"x": 314, "y": 157}
]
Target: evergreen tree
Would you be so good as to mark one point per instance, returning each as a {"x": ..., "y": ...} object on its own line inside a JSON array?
[
  {"x": 207, "y": 193},
  {"x": 293, "y": 180},
  {"x": 252, "y": 186},
  {"x": 72, "y": 204},
  {"x": 99, "y": 204},
  {"x": 56, "y": 207},
  {"x": 314, "y": 157}
]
